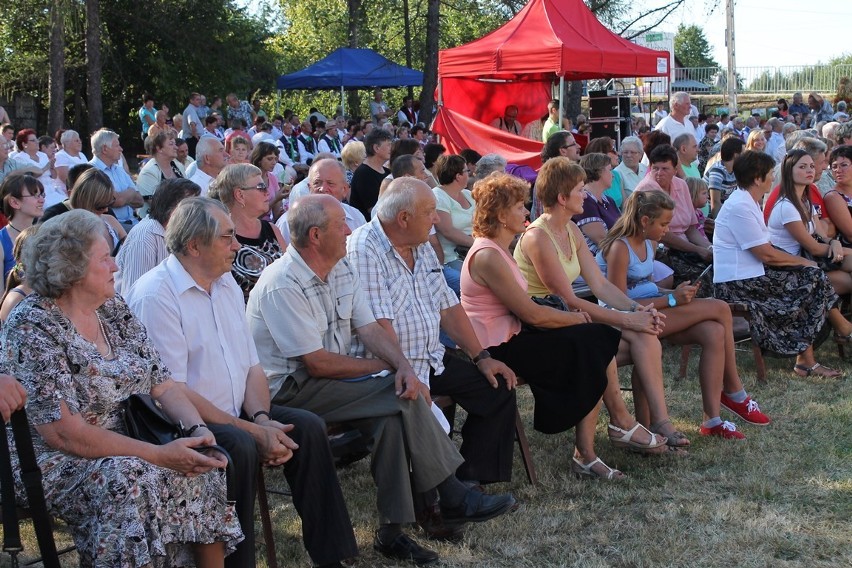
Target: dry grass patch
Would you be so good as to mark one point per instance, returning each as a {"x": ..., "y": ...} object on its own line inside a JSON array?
[{"x": 781, "y": 499}]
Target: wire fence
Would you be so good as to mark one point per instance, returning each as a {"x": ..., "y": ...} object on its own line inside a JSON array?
[{"x": 824, "y": 78}]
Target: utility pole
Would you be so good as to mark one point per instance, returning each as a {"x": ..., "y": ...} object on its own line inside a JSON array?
[{"x": 732, "y": 57}]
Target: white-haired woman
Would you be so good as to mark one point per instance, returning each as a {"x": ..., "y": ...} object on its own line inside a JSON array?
[
  {"x": 241, "y": 188},
  {"x": 79, "y": 352},
  {"x": 69, "y": 156}
]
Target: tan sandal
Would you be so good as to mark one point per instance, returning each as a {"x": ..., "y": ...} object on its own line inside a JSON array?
[
  {"x": 584, "y": 470},
  {"x": 624, "y": 439}
]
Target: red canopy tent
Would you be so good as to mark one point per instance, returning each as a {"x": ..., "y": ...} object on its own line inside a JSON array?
[{"x": 518, "y": 64}]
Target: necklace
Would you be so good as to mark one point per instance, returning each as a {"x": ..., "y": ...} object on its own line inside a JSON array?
[
  {"x": 561, "y": 239},
  {"x": 103, "y": 332},
  {"x": 14, "y": 227}
]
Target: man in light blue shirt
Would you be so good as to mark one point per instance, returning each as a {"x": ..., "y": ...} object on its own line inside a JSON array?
[{"x": 107, "y": 158}]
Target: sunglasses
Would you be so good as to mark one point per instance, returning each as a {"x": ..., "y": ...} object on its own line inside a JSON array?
[{"x": 260, "y": 187}]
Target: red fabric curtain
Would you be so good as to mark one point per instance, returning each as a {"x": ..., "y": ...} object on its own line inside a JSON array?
[{"x": 459, "y": 132}]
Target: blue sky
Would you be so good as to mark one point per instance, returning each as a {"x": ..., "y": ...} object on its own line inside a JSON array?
[{"x": 772, "y": 32}]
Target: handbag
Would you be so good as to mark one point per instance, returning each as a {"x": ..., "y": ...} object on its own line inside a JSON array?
[
  {"x": 824, "y": 262},
  {"x": 551, "y": 301},
  {"x": 145, "y": 420}
]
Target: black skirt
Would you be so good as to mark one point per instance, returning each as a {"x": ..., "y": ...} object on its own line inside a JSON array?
[{"x": 565, "y": 368}]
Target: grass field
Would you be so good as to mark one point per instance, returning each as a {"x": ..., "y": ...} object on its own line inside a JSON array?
[{"x": 781, "y": 498}]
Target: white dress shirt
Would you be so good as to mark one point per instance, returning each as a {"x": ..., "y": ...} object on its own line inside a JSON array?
[{"x": 202, "y": 338}]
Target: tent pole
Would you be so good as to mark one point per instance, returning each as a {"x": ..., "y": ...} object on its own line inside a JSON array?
[
  {"x": 342, "y": 101},
  {"x": 561, "y": 98},
  {"x": 278, "y": 103}
]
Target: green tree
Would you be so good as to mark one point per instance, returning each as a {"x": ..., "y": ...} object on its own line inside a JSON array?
[
  {"x": 167, "y": 48},
  {"x": 691, "y": 47}
]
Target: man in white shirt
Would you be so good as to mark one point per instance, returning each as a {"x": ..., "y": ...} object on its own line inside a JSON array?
[
  {"x": 509, "y": 121},
  {"x": 677, "y": 122},
  {"x": 306, "y": 143},
  {"x": 211, "y": 158},
  {"x": 107, "y": 157},
  {"x": 774, "y": 137},
  {"x": 197, "y": 308},
  {"x": 329, "y": 141},
  {"x": 328, "y": 176}
]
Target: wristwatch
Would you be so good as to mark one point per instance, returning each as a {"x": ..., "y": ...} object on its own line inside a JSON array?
[
  {"x": 672, "y": 301},
  {"x": 484, "y": 354}
]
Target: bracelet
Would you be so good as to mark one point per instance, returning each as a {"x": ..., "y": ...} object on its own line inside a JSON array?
[
  {"x": 484, "y": 354},
  {"x": 259, "y": 413},
  {"x": 194, "y": 428}
]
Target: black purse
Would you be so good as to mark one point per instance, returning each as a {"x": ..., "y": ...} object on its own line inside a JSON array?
[
  {"x": 551, "y": 301},
  {"x": 824, "y": 262},
  {"x": 145, "y": 420}
]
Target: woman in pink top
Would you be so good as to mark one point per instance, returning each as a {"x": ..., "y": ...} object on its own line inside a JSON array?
[
  {"x": 689, "y": 251},
  {"x": 562, "y": 356}
]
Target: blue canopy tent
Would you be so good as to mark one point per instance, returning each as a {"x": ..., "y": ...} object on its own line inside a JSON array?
[{"x": 346, "y": 68}]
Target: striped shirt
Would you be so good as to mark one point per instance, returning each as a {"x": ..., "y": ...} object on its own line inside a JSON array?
[{"x": 143, "y": 249}]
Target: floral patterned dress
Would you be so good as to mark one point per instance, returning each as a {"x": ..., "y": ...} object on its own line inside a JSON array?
[{"x": 122, "y": 510}]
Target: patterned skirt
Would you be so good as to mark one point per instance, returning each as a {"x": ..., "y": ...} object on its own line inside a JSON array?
[{"x": 788, "y": 307}]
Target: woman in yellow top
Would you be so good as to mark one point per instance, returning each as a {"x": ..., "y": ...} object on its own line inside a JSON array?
[{"x": 552, "y": 254}]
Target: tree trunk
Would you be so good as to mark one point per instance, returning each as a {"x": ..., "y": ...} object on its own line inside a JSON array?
[
  {"x": 56, "y": 81},
  {"x": 430, "y": 65},
  {"x": 93, "y": 65},
  {"x": 355, "y": 25},
  {"x": 574, "y": 96},
  {"x": 407, "y": 31}
]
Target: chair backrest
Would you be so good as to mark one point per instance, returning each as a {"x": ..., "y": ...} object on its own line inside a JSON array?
[{"x": 31, "y": 477}]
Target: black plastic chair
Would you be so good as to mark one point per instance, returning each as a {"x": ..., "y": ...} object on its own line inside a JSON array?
[{"x": 37, "y": 511}]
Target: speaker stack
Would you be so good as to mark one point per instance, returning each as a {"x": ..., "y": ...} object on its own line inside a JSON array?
[{"x": 609, "y": 115}]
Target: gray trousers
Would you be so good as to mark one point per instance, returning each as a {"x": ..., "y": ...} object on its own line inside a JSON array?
[{"x": 403, "y": 431}]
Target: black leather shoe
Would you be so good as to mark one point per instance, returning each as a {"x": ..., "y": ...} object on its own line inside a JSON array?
[
  {"x": 434, "y": 527},
  {"x": 403, "y": 547},
  {"x": 477, "y": 507}
]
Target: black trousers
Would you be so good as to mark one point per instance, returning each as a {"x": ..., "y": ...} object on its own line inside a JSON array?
[
  {"x": 326, "y": 528},
  {"x": 488, "y": 434}
]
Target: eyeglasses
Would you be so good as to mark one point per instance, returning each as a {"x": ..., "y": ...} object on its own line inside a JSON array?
[
  {"x": 105, "y": 206},
  {"x": 260, "y": 187},
  {"x": 566, "y": 146},
  {"x": 230, "y": 237},
  {"x": 39, "y": 195},
  {"x": 841, "y": 166}
]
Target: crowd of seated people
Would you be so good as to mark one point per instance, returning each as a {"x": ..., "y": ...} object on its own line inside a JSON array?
[{"x": 174, "y": 282}]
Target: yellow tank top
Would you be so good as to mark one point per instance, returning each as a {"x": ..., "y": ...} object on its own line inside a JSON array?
[{"x": 571, "y": 266}]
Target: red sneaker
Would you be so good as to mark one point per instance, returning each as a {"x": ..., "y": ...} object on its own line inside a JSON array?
[
  {"x": 748, "y": 410},
  {"x": 725, "y": 430}
]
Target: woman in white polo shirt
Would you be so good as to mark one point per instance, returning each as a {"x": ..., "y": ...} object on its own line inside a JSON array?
[{"x": 788, "y": 296}]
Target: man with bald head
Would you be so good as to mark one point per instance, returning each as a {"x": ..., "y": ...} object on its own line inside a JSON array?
[
  {"x": 327, "y": 177},
  {"x": 410, "y": 299},
  {"x": 303, "y": 313}
]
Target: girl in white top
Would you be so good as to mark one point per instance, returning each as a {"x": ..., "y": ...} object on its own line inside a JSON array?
[
  {"x": 794, "y": 226},
  {"x": 788, "y": 296}
]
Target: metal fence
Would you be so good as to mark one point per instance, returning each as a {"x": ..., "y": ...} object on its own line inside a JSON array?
[{"x": 823, "y": 78}]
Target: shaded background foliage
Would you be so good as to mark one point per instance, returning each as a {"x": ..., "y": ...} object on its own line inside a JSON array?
[
  {"x": 163, "y": 47},
  {"x": 170, "y": 48}
]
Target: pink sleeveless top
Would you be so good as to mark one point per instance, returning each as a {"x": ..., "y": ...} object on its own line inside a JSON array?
[{"x": 492, "y": 321}]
